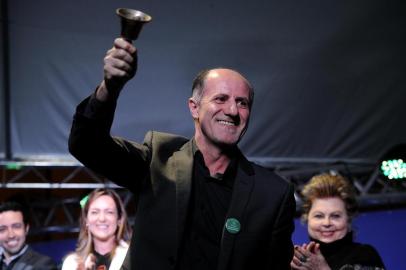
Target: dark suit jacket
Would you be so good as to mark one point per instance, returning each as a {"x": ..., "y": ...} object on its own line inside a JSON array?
[
  {"x": 159, "y": 172},
  {"x": 32, "y": 260}
]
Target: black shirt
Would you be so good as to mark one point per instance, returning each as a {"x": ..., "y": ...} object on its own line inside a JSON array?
[
  {"x": 345, "y": 252},
  {"x": 209, "y": 203},
  {"x": 102, "y": 261}
]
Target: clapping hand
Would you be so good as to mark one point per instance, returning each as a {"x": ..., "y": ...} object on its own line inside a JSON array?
[{"x": 308, "y": 257}]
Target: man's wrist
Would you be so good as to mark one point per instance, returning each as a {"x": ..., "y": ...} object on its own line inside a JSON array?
[{"x": 102, "y": 94}]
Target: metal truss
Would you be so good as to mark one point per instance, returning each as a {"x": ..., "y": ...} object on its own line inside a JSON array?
[
  {"x": 374, "y": 190},
  {"x": 52, "y": 191}
]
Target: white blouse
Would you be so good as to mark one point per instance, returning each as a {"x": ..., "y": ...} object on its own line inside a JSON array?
[{"x": 71, "y": 262}]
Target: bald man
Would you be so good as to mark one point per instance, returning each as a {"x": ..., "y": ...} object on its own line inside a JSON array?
[{"x": 200, "y": 203}]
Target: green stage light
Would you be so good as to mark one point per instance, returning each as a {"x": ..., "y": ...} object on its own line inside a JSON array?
[
  {"x": 13, "y": 166},
  {"x": 393, "y": 163},
  {"x": 394, "y": 168}
]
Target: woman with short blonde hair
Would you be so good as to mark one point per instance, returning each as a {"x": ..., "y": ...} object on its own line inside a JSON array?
[{"x": 329, "y": 206}]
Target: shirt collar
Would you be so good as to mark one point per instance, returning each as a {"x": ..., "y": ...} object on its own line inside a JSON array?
[
  {"x": 14, "y": 257},
  {"x": 229, "y": 175}
]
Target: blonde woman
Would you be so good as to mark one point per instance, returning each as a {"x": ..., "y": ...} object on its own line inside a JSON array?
[{"x": 104, "y": 234}]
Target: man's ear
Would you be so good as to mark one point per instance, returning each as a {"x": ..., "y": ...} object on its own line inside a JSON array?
[
  {"x": 27, "y": 228},
  {"x": 194, "y": 108}
]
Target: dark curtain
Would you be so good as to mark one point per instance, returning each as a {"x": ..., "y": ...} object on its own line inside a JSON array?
[{"x": 329, "y": 76}]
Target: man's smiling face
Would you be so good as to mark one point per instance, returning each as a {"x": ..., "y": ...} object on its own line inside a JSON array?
[
  {"x": 223, "y": 112},
  {"x": 13, "y": 232}
]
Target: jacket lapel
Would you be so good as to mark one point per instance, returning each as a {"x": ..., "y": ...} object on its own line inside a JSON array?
[
  {"x": 242, "y": 189},
  {"x": 22, "y": 262},
  {"x": 183, "y": 164},
  {"x": 120, "y": 253},
  {"x": 243, "y": 185}
]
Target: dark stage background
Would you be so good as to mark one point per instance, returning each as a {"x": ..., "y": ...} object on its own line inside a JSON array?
[
  {"x": 329, "y": 78},
  {"x": 329, "y": 75}
]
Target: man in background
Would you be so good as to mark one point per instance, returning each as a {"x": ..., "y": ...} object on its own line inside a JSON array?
[{"x": 15, "y": 254}]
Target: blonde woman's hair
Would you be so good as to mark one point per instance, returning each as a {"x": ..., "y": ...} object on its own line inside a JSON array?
[
  {"x": 85, "y": 239},
  {"x": 329, "y": 186}
]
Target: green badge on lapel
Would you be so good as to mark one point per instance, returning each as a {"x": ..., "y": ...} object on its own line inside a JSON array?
[{"x": 233, "y": 225}]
